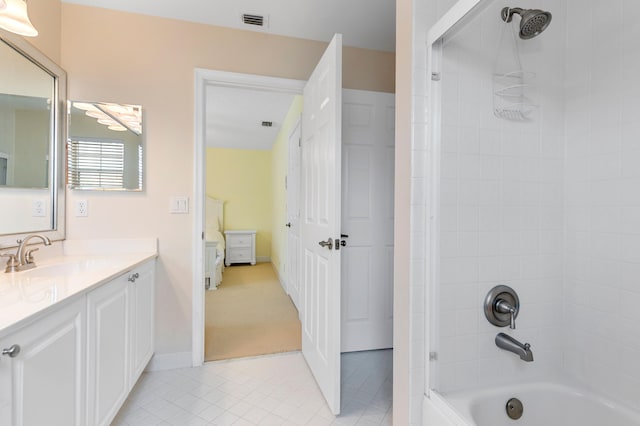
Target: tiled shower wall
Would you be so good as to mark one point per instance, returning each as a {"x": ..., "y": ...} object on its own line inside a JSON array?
[
  {"x": 602, "y": 282},
  {"x": 501, "y": 205}
]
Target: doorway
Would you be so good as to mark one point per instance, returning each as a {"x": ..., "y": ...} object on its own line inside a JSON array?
[
  {"x": 205, "y": 78},
  {"x": 357, "y": 118},
  {"x": 247, "y": 310}
]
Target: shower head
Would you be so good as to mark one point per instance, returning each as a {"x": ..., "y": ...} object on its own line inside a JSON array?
[{"x": 532, "y": 21}]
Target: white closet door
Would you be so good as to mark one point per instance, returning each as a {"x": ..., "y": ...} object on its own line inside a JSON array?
[
  {"x": 367, "y": 217},
  {"x": 320, "y": 222},
  {"x": 293, "y": 217}
]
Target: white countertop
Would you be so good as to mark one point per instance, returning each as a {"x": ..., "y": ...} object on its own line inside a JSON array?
[{"x": 25, "y": 295}]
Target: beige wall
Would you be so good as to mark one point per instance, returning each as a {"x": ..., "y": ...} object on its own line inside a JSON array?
[
  {"x": 129, "y": 58},
  {"x": 46, "y": 16},
  {"x": 32, "y": 153},
  {"x": 402, "y": 248}
]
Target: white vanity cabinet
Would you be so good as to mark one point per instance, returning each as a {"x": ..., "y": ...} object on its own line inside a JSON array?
[
  {"x": 240, "y": 247},
  {"x": 120, "y": 319},
  {"x": 80, "y": 357},
  {"x": 142, "y": 314},
  {"x": 108, "y": 337},
  {"x": 43, "y": 383}
]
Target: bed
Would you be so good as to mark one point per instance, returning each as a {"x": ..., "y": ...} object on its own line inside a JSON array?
[{"x": 214, "y": 243}]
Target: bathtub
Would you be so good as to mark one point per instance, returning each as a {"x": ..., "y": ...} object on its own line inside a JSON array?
[{"x": 545, "y": 404}]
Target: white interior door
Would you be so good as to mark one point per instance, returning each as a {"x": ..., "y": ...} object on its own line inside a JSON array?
[
  {"x": 320, "y": 222},
  {"x": 367, "y": 217},
  {"x": 293, "y": 217}
]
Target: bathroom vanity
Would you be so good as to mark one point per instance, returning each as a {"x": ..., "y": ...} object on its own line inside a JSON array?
[{"x": 75, "y": 334}]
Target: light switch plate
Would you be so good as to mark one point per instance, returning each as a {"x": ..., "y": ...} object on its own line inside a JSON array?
[{"x": 179, "y": 205}]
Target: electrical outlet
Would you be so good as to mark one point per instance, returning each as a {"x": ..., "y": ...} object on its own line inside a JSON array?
[
  {"x": 82, "y": 208},
  {"x": 38, "y": 208}
]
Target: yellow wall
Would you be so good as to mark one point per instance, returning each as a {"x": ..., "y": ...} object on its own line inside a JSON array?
[
  {"x": 242, "y": 179},
  {"x": 280, "y": 161}
]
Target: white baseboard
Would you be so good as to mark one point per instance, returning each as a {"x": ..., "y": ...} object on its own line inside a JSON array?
[
  {"x": 170, "y": 361},
  {"x": 283, "y": 283}
]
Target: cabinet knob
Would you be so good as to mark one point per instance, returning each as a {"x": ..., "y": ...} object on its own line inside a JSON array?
[
  {"x": 12, "y": 351},
  {"x": 133, "y": 277}
]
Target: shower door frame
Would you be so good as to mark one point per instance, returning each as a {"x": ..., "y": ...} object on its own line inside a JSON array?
[{"x": 453, "y": 20}]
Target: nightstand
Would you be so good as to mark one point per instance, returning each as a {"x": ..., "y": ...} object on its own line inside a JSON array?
[{"x": 240, "y": 247}]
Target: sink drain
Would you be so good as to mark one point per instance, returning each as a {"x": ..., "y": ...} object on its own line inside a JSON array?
[{"x": 514, "y": 408}]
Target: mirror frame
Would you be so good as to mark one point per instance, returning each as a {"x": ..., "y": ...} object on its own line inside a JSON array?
[{"x": 58, "y": 138}]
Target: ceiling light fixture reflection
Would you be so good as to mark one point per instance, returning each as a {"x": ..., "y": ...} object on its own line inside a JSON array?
[
  {"x": 116, "y": 117},
  {"x": 14, "y": 18}
]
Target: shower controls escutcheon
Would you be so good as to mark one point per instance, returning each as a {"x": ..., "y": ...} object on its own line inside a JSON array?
[{"x": 501, "y": 306}]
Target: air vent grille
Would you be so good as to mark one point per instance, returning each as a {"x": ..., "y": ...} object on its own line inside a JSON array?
[
  {"x": 267, "y": 123},
  {"x": 249, "y": 19}
]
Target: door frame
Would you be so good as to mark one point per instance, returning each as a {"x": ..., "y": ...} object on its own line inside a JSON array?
[{"x": 203, "y": 79}]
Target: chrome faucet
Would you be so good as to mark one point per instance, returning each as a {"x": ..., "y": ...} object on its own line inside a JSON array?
[
  {"x": 24, "y": 255},
  {"x": 508, "y": 343}
]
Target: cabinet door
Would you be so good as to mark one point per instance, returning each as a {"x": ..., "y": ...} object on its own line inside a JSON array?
[
  {"x": 108, "y": 346},
  {"x": 42, "y": 384},
  {"x": 142, "y": 314}
]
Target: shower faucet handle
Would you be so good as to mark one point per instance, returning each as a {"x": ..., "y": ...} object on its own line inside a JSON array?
[
  {"x": 501, "y": 306},
  {"x": 504, "y": 307}
]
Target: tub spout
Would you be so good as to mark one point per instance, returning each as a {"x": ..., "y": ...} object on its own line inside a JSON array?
[{"x": 508, "y": 343}]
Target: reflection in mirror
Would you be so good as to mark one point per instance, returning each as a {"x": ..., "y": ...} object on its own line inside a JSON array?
[
  {"x": 105, "y": 146},
  {"x": 32, "y": 99}
]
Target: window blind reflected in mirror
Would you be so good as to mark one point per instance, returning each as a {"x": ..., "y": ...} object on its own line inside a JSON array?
[{"x": 96, "y": 164}]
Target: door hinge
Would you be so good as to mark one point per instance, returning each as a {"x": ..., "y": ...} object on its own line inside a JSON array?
[
  {"x": 435, "y": 76},
  {"x": 202, "y": 235},
  {"x": 299, "y": 142},
  {"x": 433, "y": 356}
]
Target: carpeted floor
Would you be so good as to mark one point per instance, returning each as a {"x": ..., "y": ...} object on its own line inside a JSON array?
[{"x": 250, "y": 314}]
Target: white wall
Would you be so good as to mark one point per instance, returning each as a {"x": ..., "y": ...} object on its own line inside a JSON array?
[
  {"x": 550, "y": 205},
  {"x": 602, "y": 285},
  {"x": 501, "y": 204}
]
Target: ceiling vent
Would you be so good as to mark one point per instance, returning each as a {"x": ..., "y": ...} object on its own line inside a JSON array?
[
  {"x": 251, "y": 19},
  {"x": 267, "y": 123}
]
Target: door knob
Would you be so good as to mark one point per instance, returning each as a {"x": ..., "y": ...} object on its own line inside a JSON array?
[
  {"x": 328, "y": 243},
  {"x": 12, "y": 351}
]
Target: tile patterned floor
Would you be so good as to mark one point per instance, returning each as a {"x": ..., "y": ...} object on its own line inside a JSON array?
[{"x": 269, "y": 390}]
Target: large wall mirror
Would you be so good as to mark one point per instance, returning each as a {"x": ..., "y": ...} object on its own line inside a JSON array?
[
  {"x": 32, "y": 111},
  {"x": 105, "y": 146}
]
